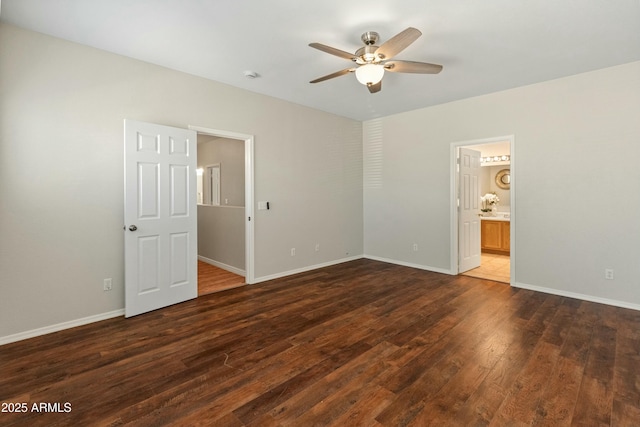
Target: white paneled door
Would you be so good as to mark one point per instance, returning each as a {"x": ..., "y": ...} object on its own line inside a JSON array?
[
  {"x": 468, "y": 218},
  {"x": 160, "y": 241}
]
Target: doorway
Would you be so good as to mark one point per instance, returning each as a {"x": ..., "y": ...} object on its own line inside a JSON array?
[
  {"x": 160, "y": 214},
  {"x": 496, "y": 213},
  {"x": 234, "y": 206}
]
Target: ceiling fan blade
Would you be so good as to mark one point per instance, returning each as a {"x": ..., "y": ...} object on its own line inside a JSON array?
[
  {"x": 332, "y": 75},
  {"x": 376, "y": 87},
  {"x": 334, "y": 51},
  {"x": 412, "y": 67},
  {"x": 398, "y": 43}
]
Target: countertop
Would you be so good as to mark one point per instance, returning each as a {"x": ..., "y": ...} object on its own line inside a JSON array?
[{"x": 500, "y": 216}]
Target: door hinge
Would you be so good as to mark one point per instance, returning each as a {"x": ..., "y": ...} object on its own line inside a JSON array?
[{"x": 249, "y": 218}]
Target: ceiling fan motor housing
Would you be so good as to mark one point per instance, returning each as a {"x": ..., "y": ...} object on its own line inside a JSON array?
[
  {"x": 370, "y": 37},
  {"x": 367, "y": 55}
]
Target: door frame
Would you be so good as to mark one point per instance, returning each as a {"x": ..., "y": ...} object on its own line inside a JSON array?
[
  {"x": 249, "y": 229},
  {"x": 453, "y": 202}
]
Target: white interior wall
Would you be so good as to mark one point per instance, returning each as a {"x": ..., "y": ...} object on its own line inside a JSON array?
[
  {"x": 576, "y": 146},
  {"x": 61, "y": 173}
]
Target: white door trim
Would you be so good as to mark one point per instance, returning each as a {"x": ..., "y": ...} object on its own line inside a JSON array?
[
  {"x": 453, "y": 205},
  {"x": 248, "y": 193}
]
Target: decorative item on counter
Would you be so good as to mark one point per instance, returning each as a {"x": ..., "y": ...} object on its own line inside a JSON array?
[{"x": 490, "y": 203}]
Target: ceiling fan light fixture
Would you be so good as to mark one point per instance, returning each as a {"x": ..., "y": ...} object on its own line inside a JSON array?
[{"x": 369, "y": 74}]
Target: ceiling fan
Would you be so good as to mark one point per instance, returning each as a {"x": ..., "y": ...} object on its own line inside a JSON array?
[{"x": 372, "y": 60}]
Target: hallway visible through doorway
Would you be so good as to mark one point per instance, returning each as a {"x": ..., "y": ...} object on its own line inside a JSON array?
[
  {"x": 213, "y": 279},
  {"x": 492, "y": 267}
]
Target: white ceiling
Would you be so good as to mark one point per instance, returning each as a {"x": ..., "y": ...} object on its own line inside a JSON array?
[{"x": 484, "y": 46}]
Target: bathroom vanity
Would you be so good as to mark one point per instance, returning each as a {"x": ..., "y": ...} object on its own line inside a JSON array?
[{"x": 495, "y": 235}]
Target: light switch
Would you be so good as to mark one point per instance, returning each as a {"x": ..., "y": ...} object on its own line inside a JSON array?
[{"x": 263, "y": 206}]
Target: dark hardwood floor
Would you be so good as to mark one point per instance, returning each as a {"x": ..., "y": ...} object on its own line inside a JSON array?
[{"x": 358, "y": 344}]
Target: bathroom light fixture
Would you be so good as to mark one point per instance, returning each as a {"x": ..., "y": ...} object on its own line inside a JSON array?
[
  {"x": 491, "y": 159},
  {"x": 369, "y": 74}
]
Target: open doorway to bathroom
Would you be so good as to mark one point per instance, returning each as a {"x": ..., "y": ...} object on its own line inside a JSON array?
[{"x": 492, "y": 238}]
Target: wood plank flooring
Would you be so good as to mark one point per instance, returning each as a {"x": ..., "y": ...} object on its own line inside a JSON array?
[
  {"x": 362, "y": 343},
  {"x": 213, "y": 279}
]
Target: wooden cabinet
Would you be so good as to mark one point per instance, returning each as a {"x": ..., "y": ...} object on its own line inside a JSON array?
[{"x": 495, "y": 236}]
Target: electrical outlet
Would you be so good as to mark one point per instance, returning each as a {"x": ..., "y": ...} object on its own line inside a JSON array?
[
  {"x": 107, "y": 285},
  {"x": 293, "y": 251},
  {"x": 415, "y": 247},
  {"x": 608, "y": 274},
  {"x": 317, "y": 247}
]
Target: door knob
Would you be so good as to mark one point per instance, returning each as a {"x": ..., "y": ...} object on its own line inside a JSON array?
[{"x": 132, "y": 228}]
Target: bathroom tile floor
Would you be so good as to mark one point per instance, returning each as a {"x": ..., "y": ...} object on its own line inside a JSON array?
[{"x": 492, "y": 267}]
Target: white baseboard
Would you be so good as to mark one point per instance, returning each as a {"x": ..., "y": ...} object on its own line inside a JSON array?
[
  {"x": 408, "y": 264},
  {"x": 303, "y": 269},
  {"x": 59, "y": 327},
  {"x": 223, "y": 266},
  {"x": 98, "y": 317},
  {"x": 583, "y": 297}
]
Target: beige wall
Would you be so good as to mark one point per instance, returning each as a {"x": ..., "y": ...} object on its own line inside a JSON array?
[
  {"x": 221, "y": 229},
  {"x": 575, "y": 176},
  {"x": 221, "y": 236},
  {"x": 229, "y": 154},
  {"x": 62, "y": 107}
]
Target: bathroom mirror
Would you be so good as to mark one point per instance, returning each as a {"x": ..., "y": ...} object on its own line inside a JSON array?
[{"x": 503, "y": 179}]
